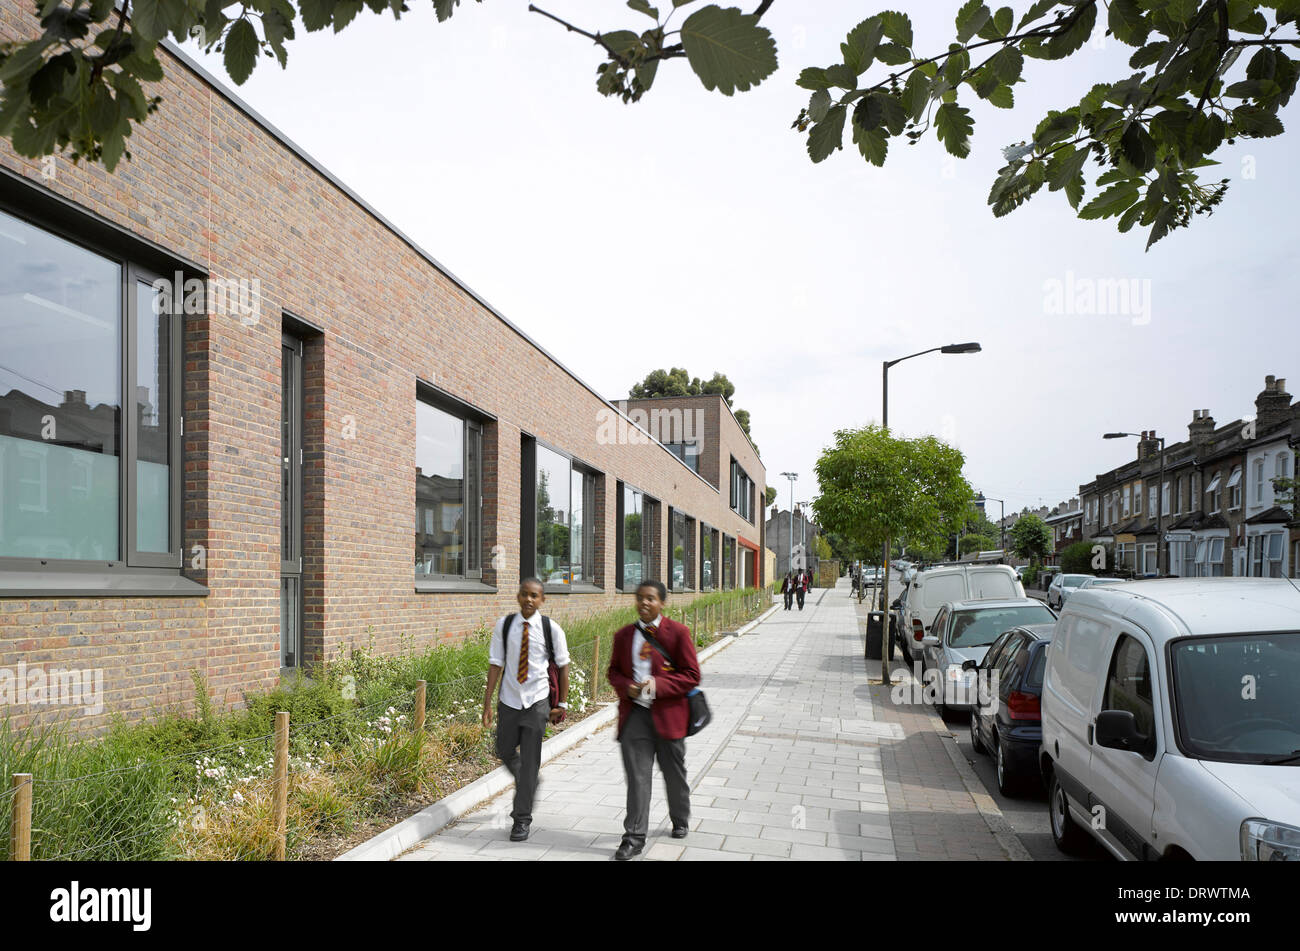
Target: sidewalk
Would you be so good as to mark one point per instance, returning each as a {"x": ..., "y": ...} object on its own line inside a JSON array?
[{"x": 803, "y": 760}]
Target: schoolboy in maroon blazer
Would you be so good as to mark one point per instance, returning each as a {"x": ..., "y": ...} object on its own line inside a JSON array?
[{"x": 653, "y": 713}]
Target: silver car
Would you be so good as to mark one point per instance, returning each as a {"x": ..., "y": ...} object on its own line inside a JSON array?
[
  {"x": 962, "y": 632},
  {"x": 1062, "y": 587}
]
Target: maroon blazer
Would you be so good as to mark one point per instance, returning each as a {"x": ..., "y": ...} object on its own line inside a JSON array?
[{"x": 670, "y": 709}]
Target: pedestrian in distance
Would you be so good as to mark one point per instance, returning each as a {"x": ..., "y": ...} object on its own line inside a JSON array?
[
  {"x": 801, "y": 587},
  {"x": 652, "y": 667},
  {"x": 787, "y": 589},
  {"x": 520, "y": 655}
]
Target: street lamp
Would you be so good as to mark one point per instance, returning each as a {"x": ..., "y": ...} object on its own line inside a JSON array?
[
  {"x": 884, "y": 424},
  {"x": 1160, "y": 496},
  {"x": 1002, "y": 532},
  {"x": 789, "y": 557},
  {"x": 803, "y": 530}
]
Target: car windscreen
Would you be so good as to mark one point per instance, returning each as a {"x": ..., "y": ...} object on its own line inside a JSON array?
[
  {"x": 980, "y": 627},
  {"x": 1235, "y": 696},
  {"x": 1072, "y": 581}
]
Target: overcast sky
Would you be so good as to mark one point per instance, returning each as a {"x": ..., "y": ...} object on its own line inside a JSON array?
[{"x": 691, "y": 229}]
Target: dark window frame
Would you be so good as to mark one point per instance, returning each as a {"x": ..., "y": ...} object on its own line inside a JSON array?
[
  {"x": 131, "y": 573},
  {"x": 528, "y": 533}
]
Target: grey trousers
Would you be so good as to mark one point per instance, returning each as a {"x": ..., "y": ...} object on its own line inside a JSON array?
[
  {"x": 519, "y": 746},
  {"x": 641, "y": 746}
]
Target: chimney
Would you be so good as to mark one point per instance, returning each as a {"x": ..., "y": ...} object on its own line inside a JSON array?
[
  {"x": 74, "y": 398},
  {"x": 1273, "y": 405},
  {"x": 1148, "y": 446},
  {"x": 1201, "y": 428}
]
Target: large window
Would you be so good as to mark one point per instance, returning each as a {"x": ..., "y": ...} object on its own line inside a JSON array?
[
  {"x": 742, "y": 493},
  {"x": 728, "y": 562},
  {"x": 448, "y": 486},
  {"x": 708, "y": 545},
  {"x": 1215, "y": 493},
  {"x": 566, "y": 527},
  {"x": 637, "y": 527},
  {"x": 89, "y": 394},
  {"x": 681, "y": 551},
  {"x": 1234, "y": 489},
  {"x": 687, "y": 452}
]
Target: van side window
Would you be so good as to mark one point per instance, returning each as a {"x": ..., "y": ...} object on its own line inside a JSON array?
[{"x": 1128, "y": 686}]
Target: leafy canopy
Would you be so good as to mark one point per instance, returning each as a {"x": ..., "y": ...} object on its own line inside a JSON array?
[
  {"x": 875, "y": 486},
  {"x": 1030, "y": 538},
  {"x": 1205, "y": 72},
  {"x": 679, "y": 382}
]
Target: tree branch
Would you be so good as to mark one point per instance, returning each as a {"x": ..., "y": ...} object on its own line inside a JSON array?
[
  {"x": 762, "y": 8},
  {"x": 594, "y": 37}
]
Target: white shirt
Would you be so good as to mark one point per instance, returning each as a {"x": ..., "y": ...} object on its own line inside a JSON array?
[
  {"x": 641, "y": 668},
  {"x": 506, "y": 656}
]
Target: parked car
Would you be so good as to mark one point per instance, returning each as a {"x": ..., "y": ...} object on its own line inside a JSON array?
[
  {"x": 1062, "y": 587},
  {"x": 1171, "y": 720},
  {"x": 962, "y": 632},
  {"x": 1008, "y": 726},
  {"x": 934, "y": 587},
  {"x": 1046, "y": 575},
  {"x": 1099, "y": 582}
]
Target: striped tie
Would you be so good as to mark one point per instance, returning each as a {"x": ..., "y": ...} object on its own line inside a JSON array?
[
  {"x": 522, "y": 676},
  {"x": 646, "y": 649}
]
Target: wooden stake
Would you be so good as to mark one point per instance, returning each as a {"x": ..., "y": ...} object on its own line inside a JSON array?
[
  {"x": 20, "y": 833},
  {"x": 280, "y": 806},
  {"x": 420, "y": 686},
  {"x": 595, "y": 667}
]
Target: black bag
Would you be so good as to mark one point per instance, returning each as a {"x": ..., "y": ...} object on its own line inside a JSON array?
[
  {"x": 552, "y": 672},
  {"x": 697, "y": 704}
]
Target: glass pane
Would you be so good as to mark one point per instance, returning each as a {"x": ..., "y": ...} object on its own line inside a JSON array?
[
  {"x": 290, "y": 638},
  {"x": 60, "y": 397},
  {"x": 287, "y": 396},
  {"x": 679, "y": 551},
  {"x": 439, "y": 492},
  {"x": 577, "y": 525},
  {"x": 153, "y": 410},
  {"x": 706, "y": 558},
  {"x": 473, "y": 531},
  {"x": 553, "y": 548},
  {"x": 726, "y": 563},
  {"x": 633, "y": 551}
]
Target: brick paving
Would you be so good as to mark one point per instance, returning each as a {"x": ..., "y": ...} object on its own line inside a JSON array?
[{"x": 803, "y": 760}]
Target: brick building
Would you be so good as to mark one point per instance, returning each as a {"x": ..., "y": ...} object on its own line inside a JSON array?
[{"x": 332, "y": 437}]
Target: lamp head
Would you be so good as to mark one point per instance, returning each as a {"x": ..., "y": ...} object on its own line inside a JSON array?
[{"x": 960, "y": 348}]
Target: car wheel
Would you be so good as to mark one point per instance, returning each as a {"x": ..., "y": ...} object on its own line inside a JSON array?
[
  {"x": 1007, "y": 784},
  {"x": 976, "y": 743},
  {"x": 1066, "y": 833}
]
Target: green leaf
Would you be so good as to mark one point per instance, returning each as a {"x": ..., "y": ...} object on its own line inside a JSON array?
[
  {"x": 873, "y": 144},
  {"x": 1164, "y": 220},
  {"x": 316, "y": 14},
  {"x": 860, "y": 49},
  {"x": 898, "y": 27},
  {"x": 728, "y": 49},
  {"x": 1074, "y": 190},
  {"x": 813, "y": 78},
  {"x": 916, "y": 94},
  {"x": 241, "y": 51},
  {"x": 1007, "y": 64},
  {"x": 1152, "y": 53},
  {"x": 842, "y": 76},
  {"x": 954, "y": 126},
  {"x": 819, "y": 105},
  {"x": 971, "y": 18},
  {"x": 1064, "y": 166},
  {"x": 893, "y": 116},
  {"x": 1113, "y": 201},
  {"x": 445, "y": 8},
  {"x": 643, "y": 6},
  {"x": 144, "y": 67},
  {"x": 1138, "y": 147},
  {"x": 1072, "y": 39},
  {"x": 1128, "y": 23},
  {"x": 1037, "y": 11},
  {"x": 103, "y": 110},
  {"x": 891, "y": 54},
  {"x": 1002, "y": 97},
  {"x": 345, "y": 12},
  {"x": 1253, "y": 89},
  {"x": 1055, "y": 127},
  {"x": 827, "y": 135},
  {"x": 1255, "y": 122},
  {"x": 1128, "y": 219},
  {"x": 1003, "y": 21},
  {"x": 147, "y": 20}
]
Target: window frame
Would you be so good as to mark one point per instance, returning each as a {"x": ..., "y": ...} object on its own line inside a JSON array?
[
  {"x": 591, "y": 477},
  {"x": 149, "y": 573},
  {"x": 473, "y": 422}
]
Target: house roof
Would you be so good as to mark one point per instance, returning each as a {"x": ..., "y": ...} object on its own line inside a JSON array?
[{"x": 1275, "y": 515}]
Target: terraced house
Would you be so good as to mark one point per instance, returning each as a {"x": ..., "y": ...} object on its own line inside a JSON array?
[
  {"x": 245, "y": 421},
  {"x": 1216, "y": 503}
]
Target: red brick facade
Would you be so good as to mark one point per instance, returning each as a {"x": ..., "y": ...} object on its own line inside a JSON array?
[{"x": 215, "y": 188}]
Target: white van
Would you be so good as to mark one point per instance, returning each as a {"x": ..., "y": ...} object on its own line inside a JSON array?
[
  {"x": 934, "y": 587},
  {"x": 1171, "y": 719}
]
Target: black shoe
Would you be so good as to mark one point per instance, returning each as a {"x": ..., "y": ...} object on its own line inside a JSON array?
[
  {"x": 679, "y": 832},
  {"x": 519, "y": 832},
  {"x": 627, "y": 850}
]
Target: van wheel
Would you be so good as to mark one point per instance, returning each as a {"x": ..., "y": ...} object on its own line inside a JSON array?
[
  {"x": 976, "y": 743},
  {"x": 1065, "y": 831}
]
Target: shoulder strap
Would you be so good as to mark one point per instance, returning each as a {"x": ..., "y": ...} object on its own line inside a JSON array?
[
  {"x": 546, "y": 629},
  {"x": 505, "y": 634},
  {"x": 650, "y": 639}
]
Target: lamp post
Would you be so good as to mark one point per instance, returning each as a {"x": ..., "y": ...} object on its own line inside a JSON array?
[
  {"x": 789, "y": 557},
  {"x": 1160, "y": 496},
  {"x": 884, "y": 424},
  {"x": 1002, "y": 532}
]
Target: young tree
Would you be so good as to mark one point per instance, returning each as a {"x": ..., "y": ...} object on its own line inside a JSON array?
[
  {"x": 876, "y": 487},
  {"x": 1030, "y": 538},
  {"x": 78, "y": 86},
  {"x": 974, "y": 543}
]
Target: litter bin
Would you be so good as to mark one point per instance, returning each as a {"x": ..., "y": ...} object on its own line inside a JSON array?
[{"x": 875, "y": 629}]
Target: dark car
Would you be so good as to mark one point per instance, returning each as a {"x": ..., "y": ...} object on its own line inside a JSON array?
[{"x": 1009, "y": 725}]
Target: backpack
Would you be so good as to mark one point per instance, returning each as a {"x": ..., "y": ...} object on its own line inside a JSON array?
[{"x": 552, "y": 672}]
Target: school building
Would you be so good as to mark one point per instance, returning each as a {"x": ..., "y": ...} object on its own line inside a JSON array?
[{"x": 245, "y": 422}]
